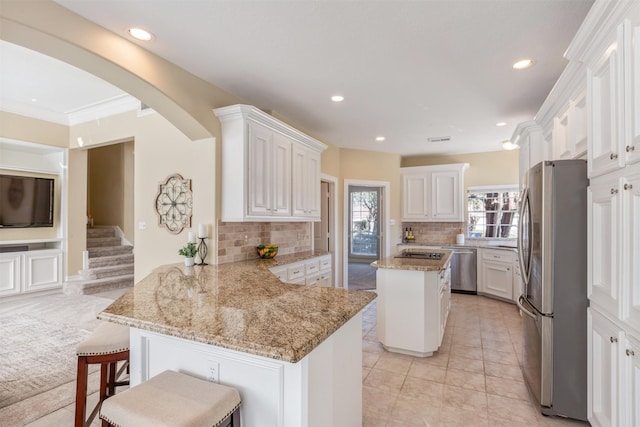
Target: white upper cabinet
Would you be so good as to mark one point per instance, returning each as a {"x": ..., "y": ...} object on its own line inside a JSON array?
[
  {"x": 270, "y": 171},
  {"x": 578, "y": 125},
  {"x": 630, "y": 239},
  {"x": 632, "y": 92},
  {"x": 561, "y": 147},
  {"x": 528, "y": 136},
  {"x": 306, "y": 183},
  {"x": 605, "y": 97},
  {"x": 433, "y": 193}
]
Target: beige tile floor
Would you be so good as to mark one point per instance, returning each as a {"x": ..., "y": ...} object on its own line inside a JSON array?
[{"x": 474, "y": 380}]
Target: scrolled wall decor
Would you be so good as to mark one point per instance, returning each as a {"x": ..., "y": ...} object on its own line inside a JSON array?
[{"x": 174, "y": 203}]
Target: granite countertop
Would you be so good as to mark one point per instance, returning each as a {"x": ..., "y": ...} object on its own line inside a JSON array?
[
  {"x": 415, "y": 264},
  {"x": 475, "y": 244},
  {"x": 240, "y": 306}
]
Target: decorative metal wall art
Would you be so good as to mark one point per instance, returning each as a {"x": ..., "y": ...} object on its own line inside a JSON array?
[{"x": 174, "y": 203}]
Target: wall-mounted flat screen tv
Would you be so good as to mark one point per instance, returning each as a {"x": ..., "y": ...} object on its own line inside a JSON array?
[{"x": 26, "y": 201}]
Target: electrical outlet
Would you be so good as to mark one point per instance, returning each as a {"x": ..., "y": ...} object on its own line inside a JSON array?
[{"x": 213, "y": 371}]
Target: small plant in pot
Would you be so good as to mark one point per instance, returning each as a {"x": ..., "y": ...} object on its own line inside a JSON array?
[{"x": 189, "y": 252}]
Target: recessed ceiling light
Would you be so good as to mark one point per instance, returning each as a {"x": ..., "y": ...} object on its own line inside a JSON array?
[
  {"x": 508, "y": 145},
  {"x": 140, "y": 34},
  {"x": 379, "y": 138},
  {"x": 523, "y": 64},
  {"x": 500, "y": 124},
  {"x": 337, "y": 98}
]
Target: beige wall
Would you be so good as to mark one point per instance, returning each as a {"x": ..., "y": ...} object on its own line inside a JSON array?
[
  {"x": 22, "y": 128},
  {"x": 106, "y": 185},
  {"x": 492, "y": 168},
  {"x": 160, "y": 150},
  {"x": 76, "y": 236}
]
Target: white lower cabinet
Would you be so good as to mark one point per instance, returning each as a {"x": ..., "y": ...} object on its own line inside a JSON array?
[
  {"x": 614, "y": 373},
  {"x": 313, "y": 271},
  {"x": 496, "y": 273},
  {"x": 30, "y": 271}
]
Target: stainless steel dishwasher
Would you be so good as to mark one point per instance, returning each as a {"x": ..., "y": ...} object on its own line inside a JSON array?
[{"x": 464, "y": 270}]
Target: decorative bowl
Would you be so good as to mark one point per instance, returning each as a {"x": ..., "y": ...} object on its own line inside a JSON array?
[{"x": 267, "y": 251}]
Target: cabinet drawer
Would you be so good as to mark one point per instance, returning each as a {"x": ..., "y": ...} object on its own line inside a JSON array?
[
  {"x": 295, "y": 271},
  {"x": 312, "y": 267},
  {"x": 498, "y": 255},
  {"x": 325, "y": 262},
  {"x": 280, "y": 273}
]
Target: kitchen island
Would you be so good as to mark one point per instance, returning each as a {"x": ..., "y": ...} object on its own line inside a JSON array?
[
  {"x": 414, "y": 296},
  {"x": 293, "y": 351}
]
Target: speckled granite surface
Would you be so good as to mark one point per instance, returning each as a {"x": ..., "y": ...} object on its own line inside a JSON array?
[
  {"x": 240, "y": 306},
  {"x": 415, "y": 264}
]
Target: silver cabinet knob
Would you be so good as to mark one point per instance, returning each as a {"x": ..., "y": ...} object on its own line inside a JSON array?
[
  {"x": 630, "y": 148},
  {"x": 613, "y": 156},
  {"x": 614, "y": 191},
  {"x": 630, "y": 352},
  {"x": 628, "y": 186},
  {"x": 613, "y": 339}
]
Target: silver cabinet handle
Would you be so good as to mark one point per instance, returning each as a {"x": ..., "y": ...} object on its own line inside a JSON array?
[
  {"x": 630, "y": 148},
  {"x": 628, "y": 186},
  {"x": 614, "y": 191},
  {"x": 613, "y": 156},
  {"x": 630, "y": 352},
  {"x": 613, "y": 339}
]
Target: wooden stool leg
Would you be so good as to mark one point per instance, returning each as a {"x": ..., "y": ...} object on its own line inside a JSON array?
[
  {"x": 104, "y": 368},
  {"x": 113, "y": 367},
  {"x": 235, "y": 418},
  {"x": 81, "y": 392}
]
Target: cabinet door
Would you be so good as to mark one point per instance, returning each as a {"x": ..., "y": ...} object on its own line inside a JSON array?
[
  {"x": 259, "y": 173},
  {"x": 578, "y": 126},
  {"x": 603, "y": 217},
  {"x": 43, "y": 270},
  {"x": 561, "y": 149},
  {"x": 10, "y": 273},
  {"x": 630, "y": 235},
  {"x": 604, "y": 82},
  {"x": 414, "y": 197},
  {"x": 497, "y": 279},
  {"x": 445, "y": 196},
  {"x": 630, "y": 396},
  {"x": 306, "y": 183},
  {"x": 281, "y": 172},
  {"x": 603, "y": 344},
  {"x": 523, "y": 159},
  {"x": 632, "y": 93}
]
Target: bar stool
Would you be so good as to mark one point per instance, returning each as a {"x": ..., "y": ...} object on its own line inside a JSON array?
[
  {"x": 107, "y": 345},
  {"x": 173, "y": 399}
]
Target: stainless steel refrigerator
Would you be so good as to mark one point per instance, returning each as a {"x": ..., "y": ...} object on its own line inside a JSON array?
[{"x": 552, "y": 250}]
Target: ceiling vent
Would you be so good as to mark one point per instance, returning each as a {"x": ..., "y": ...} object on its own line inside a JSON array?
[{"x": 439, "y": 139}]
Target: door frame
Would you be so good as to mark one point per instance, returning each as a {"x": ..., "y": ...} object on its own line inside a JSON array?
[
  {"x": 385, "y": 241},
  {"x": 333, "y": 230}
]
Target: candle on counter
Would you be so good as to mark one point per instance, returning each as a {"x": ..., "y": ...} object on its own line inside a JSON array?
[
  {"x": 192, "y": 237},
  {"x": 202, "y": 231}
]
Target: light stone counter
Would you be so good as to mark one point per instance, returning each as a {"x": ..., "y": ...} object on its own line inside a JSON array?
[
  {"x": 415, "y": 264},
  {"x": 240, "y": 306}
]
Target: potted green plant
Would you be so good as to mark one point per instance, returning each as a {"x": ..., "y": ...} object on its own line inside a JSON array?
[{"x": 189, "y": 252}]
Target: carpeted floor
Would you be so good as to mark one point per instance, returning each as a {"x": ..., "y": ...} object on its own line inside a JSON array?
[{"x": 35, "y": 356}]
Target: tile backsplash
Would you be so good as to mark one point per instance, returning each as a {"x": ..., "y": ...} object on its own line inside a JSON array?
[
  {"x": 437, "y": 233},
  {"x": 237, "y": 241}
]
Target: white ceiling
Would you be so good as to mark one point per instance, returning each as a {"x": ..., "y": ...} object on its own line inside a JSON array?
[{"x": 408, "y": 70}]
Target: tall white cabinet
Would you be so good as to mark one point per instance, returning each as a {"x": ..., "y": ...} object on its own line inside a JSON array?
[{"x": 270, "y": 170}]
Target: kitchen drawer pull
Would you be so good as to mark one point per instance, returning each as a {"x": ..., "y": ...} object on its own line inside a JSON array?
[
  {"x": 613, "y": 156},
  {"x": 613, "y": 339},
  {"x": 614, "y": 191},
  {"x": 630, "y": 148},
  {"x": 296, "y": 272},
  {"x": 628, "y": 186},
  {"x": 630, "y": 352}
]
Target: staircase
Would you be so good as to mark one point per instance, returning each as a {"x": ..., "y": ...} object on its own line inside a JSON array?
[{"x": 110, "y": 264}]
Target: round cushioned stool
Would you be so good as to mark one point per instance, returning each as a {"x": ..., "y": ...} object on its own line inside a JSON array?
[
  {"x": 106, "y": 346},
  {"x": 172, "y": 399}
]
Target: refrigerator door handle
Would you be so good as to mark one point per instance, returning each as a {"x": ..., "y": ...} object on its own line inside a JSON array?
[
  {"x": 520, "y": 302},
  {"x": 525, "y": 273}
]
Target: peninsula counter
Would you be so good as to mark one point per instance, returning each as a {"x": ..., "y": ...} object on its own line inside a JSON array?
[{"x": 293, "y": 351}]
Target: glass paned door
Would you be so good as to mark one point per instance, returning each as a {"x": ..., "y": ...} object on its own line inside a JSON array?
[{"x": 364, "y": 221}]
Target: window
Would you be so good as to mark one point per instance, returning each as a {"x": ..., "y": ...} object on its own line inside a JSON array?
[{"x": 493, "y": 211}]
